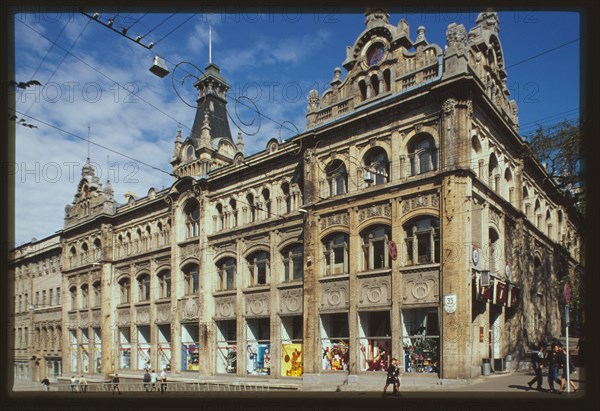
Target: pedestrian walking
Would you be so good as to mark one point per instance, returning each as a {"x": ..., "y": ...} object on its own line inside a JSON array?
[
  {"x": 554, "y": 362},
  {"x": 163, "y": 380},
  {"x": 83, "y": 384},
  {"x": 392, "y": 378},
  {"x": 153, "y": 379},
  {"x": 115, "y": 384},
  {"x": 563, "y": 377},
  {"x": 46, "y": 383},
  {"x": 73, "y": 384},
  {"x": 147, "y": 381},
  {"x": 537, "y": 363}
]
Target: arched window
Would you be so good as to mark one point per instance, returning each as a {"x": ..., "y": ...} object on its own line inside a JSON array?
[
  {"x": 537, "y": 212},
  {"x": 422, "y": 241},
  {"x": 226, "y": 270},
  {"x": 422, "y": 154},
  {"x": 387, "y": 78},
  {"x": 508, "y": 182},
  {"x": 73, "y": 294},
  {"x": 337, "y": 177},
  {"x": 97, "y": 294},
  {"x": 191, "y": 276},
  {"x": 220, "y": 217},
  {"x": 252, "y": 206},
  {"x": 375, "y": 247},
  {"x": 72, "y": 256},
  {"x": 125, "y": 288},
  {"x": 527, "y": 205},
  {"x": 97, "y": 250},
  {"x": 374, "y": 85},
  {"x": 287, "y": 198},
  {"x": 84, "y": 296},
  {"x": 362, "y": 86},
  {"x": 335, "y": 250},
  {"x": 266, "y": 197},
  {"x": 560, "y": 225},
  {"x": 493, "y": 175},
  {"x": 148, "y": 238},
  {"x": 549, "y": 224},
  {"x": 84, "y": 253},
  {"x": 293, "y": 263},
  {"x": 192, "y": 219},
  {"x": 477, "y": 162},
  {"x": 138, "y": 240},
  {"x": 494, "y": 250},
  {"x": 258, "y": 263},
  {"x": 164, "y": 283},
  {"x": 377, "y": 167},
  {"x": 143, "y": 287},
  {"x": 234, "y": 213}
]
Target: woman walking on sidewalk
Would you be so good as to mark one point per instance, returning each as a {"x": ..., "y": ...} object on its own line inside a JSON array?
[
  {"x": 563, "y": 378},
  {"x": 392, "y": 378}
]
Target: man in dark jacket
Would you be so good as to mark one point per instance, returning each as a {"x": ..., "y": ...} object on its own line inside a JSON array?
[
  {"x": 555, "y": 359},
  {"x": 537, "y": 362},
  {"x": 147, "y": 381}
]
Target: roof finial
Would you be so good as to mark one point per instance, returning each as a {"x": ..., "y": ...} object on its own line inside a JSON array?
[
  {"x": 209, "y": 43},
  {"x": 88, "y": 156}
]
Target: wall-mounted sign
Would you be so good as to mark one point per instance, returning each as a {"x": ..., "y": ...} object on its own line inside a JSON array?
[
  {"x": 501, "y": 292},
  {"x": 475, "y": 256},
  {"x": 507, "y": 271},
  {"x": 450, "y": 303},
  {"x": 393, "y": 250},
  {"x": 567, "y": 292}
]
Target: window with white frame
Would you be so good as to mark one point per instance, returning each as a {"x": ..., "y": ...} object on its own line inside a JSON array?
[
  {"x": 143, "y": 287},
  {"x": 335, "y": 250},
  {"x": 293, "y": 266},
  {"x": 125, "y": 290},
  {"x": 97, "y": 294},
  {"x": 192, "y": 219},
  {"x": 164, "y": 282},
  {"x": 422, "y": 154},
  {"x": 226, "y": 270},
  {"x": 422, "y": 241},
  {"x": 375, "y": 247},
  {"x": 191, "y": 276},
  {"x": 377, "y": 167},
  {"x": 337, "y": 178},
  {"x": 258, "y": 265}
]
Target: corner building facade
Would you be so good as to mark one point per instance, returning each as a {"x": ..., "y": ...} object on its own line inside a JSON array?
[{"x": 409, "y": 220}]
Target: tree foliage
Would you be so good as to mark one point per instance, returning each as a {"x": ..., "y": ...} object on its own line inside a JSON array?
[{"x": 558, "y": 146}]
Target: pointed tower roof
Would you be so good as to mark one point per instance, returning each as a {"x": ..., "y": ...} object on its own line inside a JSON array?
[{"x": 212, "y": 93}]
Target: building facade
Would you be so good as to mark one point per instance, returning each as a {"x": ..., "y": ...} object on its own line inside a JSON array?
[
  {"x": 36, "y": 270},
  {"x": 409, "y": 220}
]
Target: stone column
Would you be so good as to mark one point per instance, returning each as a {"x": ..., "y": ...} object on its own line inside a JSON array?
[
  {"x": 354, "y": 254},
  {"x": 396, "y": 277}
]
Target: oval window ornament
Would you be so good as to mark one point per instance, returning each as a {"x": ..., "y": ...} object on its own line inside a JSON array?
[{"x": 375, "y": 54}]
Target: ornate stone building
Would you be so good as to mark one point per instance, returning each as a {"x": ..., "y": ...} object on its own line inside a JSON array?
[
  {"x": 36, "y": 270},
  {"x": 410, "y": 219}
]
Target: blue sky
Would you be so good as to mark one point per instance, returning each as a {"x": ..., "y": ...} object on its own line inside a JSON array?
[{"x": 273, "y": 59}]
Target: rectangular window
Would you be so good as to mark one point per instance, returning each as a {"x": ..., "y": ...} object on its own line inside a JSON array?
[
  {"x": 335, "y": 342},
  {"x": 50, "y": 297},
  {"x": 58, "y": 295},
  {"x": 258, "y": 350},
  {"x": 421, "y": 342},
  {"x": 375, "y": 340},
  {"x": 226, "y": 347},
  {"x": 291, "y": 346}
]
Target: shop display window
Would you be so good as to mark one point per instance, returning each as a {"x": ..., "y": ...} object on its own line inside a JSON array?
[
  {"x": 97, "y": 351},
  {"x": 143, "y": 348},
  {"x": 190, "y": 347},
  {"x": 335, "y": 342},
  {"x": 258, "y": 349},
  {"x": 164, "y": 347},
  {"x": 226, "y": 347},
  {"x": 291, "y": 346},
  {"x": 375, "y": 342},
  {"x": 124, "y": 348},
  {"x": 85, "y": 353},
  {"x": 421, "y": 342},
  {"x": 73, "y": 344}
]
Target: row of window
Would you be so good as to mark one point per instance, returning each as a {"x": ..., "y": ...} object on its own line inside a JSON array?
[{"x": 42, "y": 298}]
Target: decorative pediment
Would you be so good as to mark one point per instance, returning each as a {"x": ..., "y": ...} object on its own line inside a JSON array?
[
  {"x": 163, "y": 313},
  {"x": 124, "y": 316},
  {"x": 189, "y": 309}
]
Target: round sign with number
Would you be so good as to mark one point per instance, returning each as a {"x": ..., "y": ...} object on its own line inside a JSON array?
[
  {"x": 567, "y": 293},
  {"x": 393, "y": 250},
  {"x": 475, "y": 255}
]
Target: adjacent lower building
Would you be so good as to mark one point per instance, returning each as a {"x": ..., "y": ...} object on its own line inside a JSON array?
[{"x": 409, "y": 220}]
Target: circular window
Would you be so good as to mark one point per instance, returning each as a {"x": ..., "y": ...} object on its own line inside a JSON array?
[{"x": 375, "y": 54}]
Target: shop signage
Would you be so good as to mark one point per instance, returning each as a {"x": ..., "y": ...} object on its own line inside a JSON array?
[
  {"x": 513, "y": 296},
  {"x": 507, "y": 272},
  {"x": 393, "y": 250},
  {"x": 567, "y": 292},
  {"x": 501, "y": 293},
  {"x": 450, "y": 303},
  {"x": 475, "y": 256},
  {"x": 485, "y": 293}
]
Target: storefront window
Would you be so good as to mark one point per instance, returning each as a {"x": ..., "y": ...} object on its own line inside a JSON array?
[
  {"x": 143, "y": 348},
  {"x": 164, "y": 347},
  {"x": 74, "y": 350},
  {"x": 97, "y": 346},
  {"x": 85, "y": 353},
  {"x": 124, "y": 348},
  {"x": 335, "y": 342},
  {"x": 291, "y": 346},
  {"x": 421, "y": 342},
  {"x": 226, "y": 347},
  {"x": 190, "y": 347},
  {"x": 375, "y": 342},
  {"x": 258, "y": 350}
]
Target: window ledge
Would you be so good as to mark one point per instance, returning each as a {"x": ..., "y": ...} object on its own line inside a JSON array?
[
  {"x": 419, "y": 267},
  {"x": 334, "y": 277},
  {"x": 374, "y": 272},
  {"x": 142, "y": 303},
  {"x": 257, "y": 288},
  {"x": 291, "y": 284},
  {"x": 222, "y": 293}
]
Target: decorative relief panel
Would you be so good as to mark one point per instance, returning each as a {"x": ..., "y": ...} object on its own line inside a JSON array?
[
  {"x": 420, "y": 287},
  {"x": 257, "y": 241},
  {"x": 163, "y": 313},
  {"x": 190, "y": 250},
  {"x": 124, "y": 316},
  {"x": 419, "y": 201},
  {"x": 382, "y": 210},
  {"x": 189, "y": 308},
  {"x": 335, "y": 295},
  {"x": 257, "y": 304},
  {"x": 72, "y": 321},
  {"x": 375, "y": 292},
  {"x": 291, "y": 301},
  {"x": 225, "y": 307},
  {"x": 84, "y": 319},
  {"x": 73, "y": 282},
  {"x": 96, "y": 318},
  {"x": 142, "y": 315},
  {"x": 336, "y": 219}
]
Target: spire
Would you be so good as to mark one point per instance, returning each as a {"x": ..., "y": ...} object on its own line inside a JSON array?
[
  {"x": 87, "y": 170},
  {"x": 177, "y": 146},
  {"x": 205, "y": 133},
  {"x": 209, "y": 44}
]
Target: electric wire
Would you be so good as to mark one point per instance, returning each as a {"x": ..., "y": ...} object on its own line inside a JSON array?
[
  {"x": 542, "y": 53},
  {"x": 49, "y": 50},
  {"x": 176, "y": 28},
  {"x": 158, "y": 25}
]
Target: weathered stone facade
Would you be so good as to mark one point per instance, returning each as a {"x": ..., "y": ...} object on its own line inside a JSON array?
[{"x": 405, "y": 221}]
